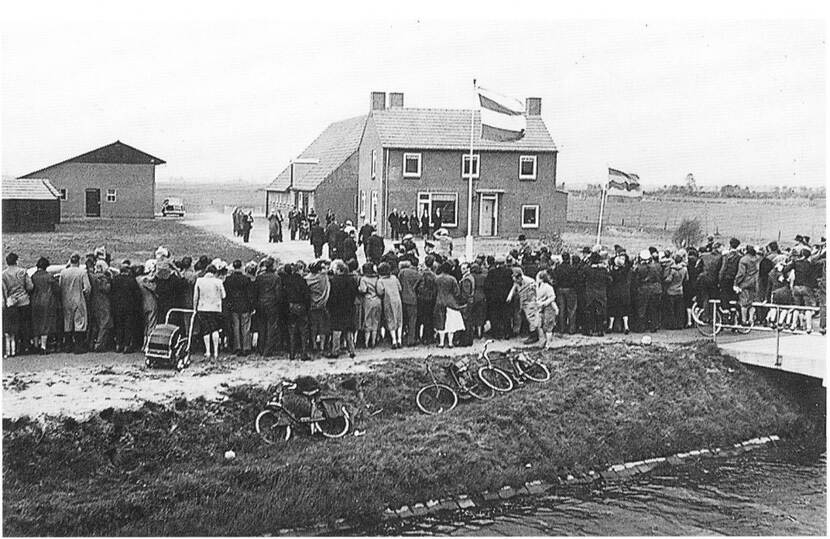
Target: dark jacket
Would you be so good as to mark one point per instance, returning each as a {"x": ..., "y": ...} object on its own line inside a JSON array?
[
  {"x": 565, "y": 276},
  {"x": 425, "y": 289},
  {"x": 597, "y": 279},
  {"x": 239, "y": 289},
  {"x": 729, "y": 268},
  {"x": 342, "y": 293},
  {"x": 497, "y": 285},
  {"x": 648, "y": 278},
  {"x": 125, "y": 295},
  {"x": 409, "y": 278},
  {"x": 296, "y": 290},
  {"x": 349, "y": 249},
  {"x": 374, "y": 248},
  {"x": 317, "y": 235},
  {"x": 269, "y": 292}
]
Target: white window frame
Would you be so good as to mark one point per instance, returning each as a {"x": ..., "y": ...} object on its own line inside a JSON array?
[
  {"x": 408, "y": 156},
  {"x": 374, "y": 164},
  {"x": 527, "y": 158},
  {"x": 426, "y": 196},
  {"x": 373, "y": 209},
  {"x": 522, "y": 215},
  {"x": 465, "y": 158},
  {"x": 63, "y": 194},
  {"x": 112, "y": 193},
  {"x": 362, "y": 207}
]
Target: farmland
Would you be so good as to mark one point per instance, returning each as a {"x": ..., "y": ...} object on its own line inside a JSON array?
[{"x": 753, "y": 220}]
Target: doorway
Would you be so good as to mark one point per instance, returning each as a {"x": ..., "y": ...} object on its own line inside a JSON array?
[
  {"x": 93, "y": 203},
  {"x": 488, "y": 215}
]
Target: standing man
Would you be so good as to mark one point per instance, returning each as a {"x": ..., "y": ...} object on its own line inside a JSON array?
[
  {"x": 497, "y": 286},
  {"x": 318, "y": 237},
  {"x": 75, "y": 288},
  {"x": 728, "y": 272},
  {"x": 269, "y": 296},
  {"x": 292, "y": 223},
  {"x": 363, "y": 237},
  {"x": 393, "y": 223},
  {"x": 331, "y": 238},
  {"x": 409, "y": 278},
  {"x": 374, "y": 248},
  {"x": 247, "y": 224},
  {"x": 239, "y": 289}
]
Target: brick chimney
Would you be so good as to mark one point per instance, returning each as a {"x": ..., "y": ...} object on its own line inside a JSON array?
[
  {"x": 378, "y": 101},
  {"x": 395, "y": 100},
  {"x": 533, "y": 106}
]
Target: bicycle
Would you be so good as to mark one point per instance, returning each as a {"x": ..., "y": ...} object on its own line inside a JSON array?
[
  {"x": 729, "y": 317},
  {"x": 326, "y": 415},
  {"x": 527, "y": 368},
  {"x": 436, "y": 398},
  {"x": 492, "y": 375}
]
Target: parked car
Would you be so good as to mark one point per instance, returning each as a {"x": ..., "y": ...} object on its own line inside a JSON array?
[{"x": 172, "y": 206}]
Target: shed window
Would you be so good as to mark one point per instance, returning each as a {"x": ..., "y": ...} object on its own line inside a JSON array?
[
  {"x": 111, "y": 194},
  {"x": 530, "y": 216},
  {"x": 527, "y": 167},
  {"x": 411, "y": 165},
  {"x": 63, "y": 194}
]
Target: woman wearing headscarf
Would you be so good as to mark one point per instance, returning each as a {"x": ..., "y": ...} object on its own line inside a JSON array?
[
  {"x": 99, "y": 307},
  {"x": 372, "y": 303},
  {"x": 44, "y": 299},
  {"x": 149, "y": 305},
  {"x": 343, "y": 291},
  {"x": 389, "y": 289}
]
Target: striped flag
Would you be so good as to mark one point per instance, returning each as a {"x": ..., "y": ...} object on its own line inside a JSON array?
[
  {"x": 622, "y": 184},
  {"x": 502, "y": 118}
]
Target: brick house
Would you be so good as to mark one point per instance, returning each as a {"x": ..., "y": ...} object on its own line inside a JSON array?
[
  {"x": 411, "y": 159},
  {"x": 331, "y": 182},
  {"x": 115, "y": 180}
]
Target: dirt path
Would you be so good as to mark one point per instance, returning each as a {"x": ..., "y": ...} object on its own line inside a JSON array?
[{"x": 79, "y": 385}]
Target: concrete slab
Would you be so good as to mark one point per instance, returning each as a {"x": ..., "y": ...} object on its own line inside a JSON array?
[{"x": 801, "y": 354}]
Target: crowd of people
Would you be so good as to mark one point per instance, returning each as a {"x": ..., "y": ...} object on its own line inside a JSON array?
[{"x": 399, "y": 295}]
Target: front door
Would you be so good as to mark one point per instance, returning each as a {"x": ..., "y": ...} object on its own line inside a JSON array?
[
  {"x": 488, "y": 215},
  {"x": 93, "y": 203}
]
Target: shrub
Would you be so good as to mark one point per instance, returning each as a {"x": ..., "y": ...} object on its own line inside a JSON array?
[{"x": 688, "y": 233}]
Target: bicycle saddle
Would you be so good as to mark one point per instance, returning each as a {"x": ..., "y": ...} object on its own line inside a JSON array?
[{"x": 309, "y": 392}]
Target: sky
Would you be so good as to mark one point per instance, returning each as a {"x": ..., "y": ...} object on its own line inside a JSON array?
[{"x": 234, "y": 96}]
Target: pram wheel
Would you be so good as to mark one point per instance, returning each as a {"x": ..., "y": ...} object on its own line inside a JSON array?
[{"x": 180, "y": 354}]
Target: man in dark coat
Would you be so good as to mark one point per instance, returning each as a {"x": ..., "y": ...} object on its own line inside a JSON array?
[
  {"x": 238, "y": 287},
  {"x": 565, "y": 279},
  {"x": 497, "y": 286},
  {"x": 293, "y": 223},
  {"x": 126, "y": 299},
  {"x": 426, "y": 291},
  {"x": 597, "y": 279},
  {"x": 298, "y": 298},
  {"x": 648, "y": 279},
  {"x": 363, "y": 237},
  {"x": 728, "y": 272},
  {"x": 393, "y": 223},
  {"x": 269, "y": 299},
  {"x": 318, "y": 237},
  {"x": 247, "y": 224},
  {"x": 332, "y": 230}
]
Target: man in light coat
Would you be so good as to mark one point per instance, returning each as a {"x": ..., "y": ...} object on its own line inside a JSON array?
[{"x": 75, "y": 288}]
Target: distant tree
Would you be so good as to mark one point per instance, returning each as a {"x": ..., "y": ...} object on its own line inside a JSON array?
[
  {"x": 691, "y": 186},
  {"x": 688, "y": 233}
]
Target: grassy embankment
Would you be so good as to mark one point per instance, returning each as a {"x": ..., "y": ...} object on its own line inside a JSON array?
[
  {"x": 136, "y": 239},
  {"x": 160, "y": 471}
]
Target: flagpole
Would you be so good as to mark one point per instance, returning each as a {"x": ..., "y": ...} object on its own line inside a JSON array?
[
  {"x": 469, "y": 243},
  {"x": 603, "y": 195}
]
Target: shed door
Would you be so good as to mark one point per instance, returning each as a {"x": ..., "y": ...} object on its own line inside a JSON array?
[{"x": 93, "y": 203}]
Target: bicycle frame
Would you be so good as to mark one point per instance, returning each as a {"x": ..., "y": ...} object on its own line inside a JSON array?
[{"x": 311, "y": 420}]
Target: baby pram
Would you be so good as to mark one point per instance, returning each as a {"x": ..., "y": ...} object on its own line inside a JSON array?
[{"x": 167, "y": 346}]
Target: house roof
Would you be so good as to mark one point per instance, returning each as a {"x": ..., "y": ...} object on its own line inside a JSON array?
[
  {"x": 334, "y": 145},
  {"x": 28, "y": 189},
  {"x": 115, "y": 153},
  {"x": 449, "y": 129}
]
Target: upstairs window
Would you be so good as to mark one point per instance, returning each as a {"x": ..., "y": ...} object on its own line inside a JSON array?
[
  {"x": 527, "y": 167},
  {"x": 465, "y": 166},
  {"x": 530, "y": 216},
  {"x": 411, "y": 165},
  {"x": 374, "y": 163},
  {"x": 111, "y": 194}
]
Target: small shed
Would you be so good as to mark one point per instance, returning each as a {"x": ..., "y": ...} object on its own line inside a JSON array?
[{"x": 30, "y": 205}]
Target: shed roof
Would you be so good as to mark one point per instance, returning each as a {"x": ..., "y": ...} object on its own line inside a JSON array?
[
  {"x": 28, "y": 189},
  {"x": 334, "y": 145},
  {"x": 449, "y": 129},
  {"x": 115, "y": 153}
]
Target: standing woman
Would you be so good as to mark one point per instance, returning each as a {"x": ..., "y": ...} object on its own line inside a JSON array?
[
  {"x": 389, "y": 288},
  {"x": 446, "y": 315},
  {"x": 371, "y": 304},
  {"x": 126, "y": 303},
  {"x": 425, "y": 225},
  {"x": 548, "y": 309},
  {"x": 149, "y": 304},
  {"x": 44, "y": 305},
  {"x": 467, "y": 285},
  {"x": 343, "y": 291},
  {"x": 619, "y": 293},
  {"x": 207, "y": 301}
]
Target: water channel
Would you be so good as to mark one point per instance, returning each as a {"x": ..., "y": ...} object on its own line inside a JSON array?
[{"x": 771, "y": 491}]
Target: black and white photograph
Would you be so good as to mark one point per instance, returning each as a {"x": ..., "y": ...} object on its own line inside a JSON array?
[{"x": 431, "y": 268}]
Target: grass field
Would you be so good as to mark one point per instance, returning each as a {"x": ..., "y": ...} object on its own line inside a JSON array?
[
  {"x": 160, "y": 470},
  {"x": 136, "y": 239},
  {"x": 757, "y": 221}
]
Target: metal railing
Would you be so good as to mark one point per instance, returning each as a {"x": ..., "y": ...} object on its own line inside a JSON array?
[{"x": 778, "y": 326}]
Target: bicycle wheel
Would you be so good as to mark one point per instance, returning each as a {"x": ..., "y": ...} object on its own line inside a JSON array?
[
  {"x": 704, "y": 327},
  {"x": 478, "y": 389},
  {"x": 532, "y": 370},
  {"x": 336, "y": 427},
  {"x": 495, "y": 378},
  {"x": 273, "y": 426},
  {"x": 436, "y": 398}
]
